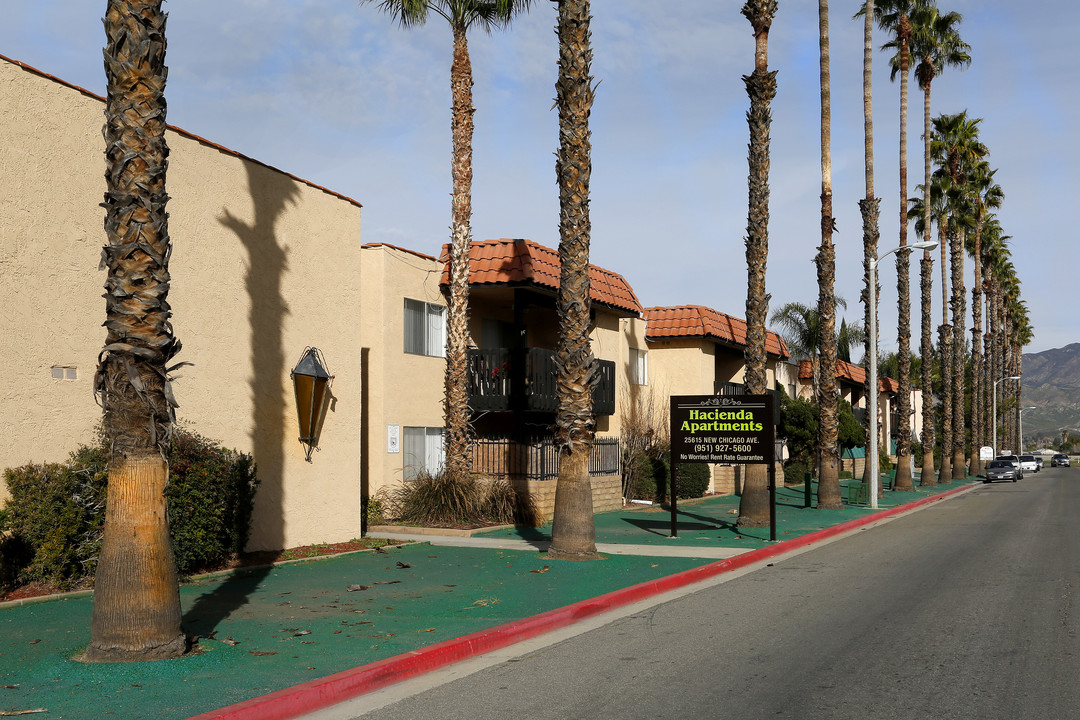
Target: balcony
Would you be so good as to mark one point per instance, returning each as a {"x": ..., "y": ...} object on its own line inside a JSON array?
[{"x": 497, "y": 382}]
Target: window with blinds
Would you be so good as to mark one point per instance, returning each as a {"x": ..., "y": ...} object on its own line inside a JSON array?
[{"x": 425, "y": 328}]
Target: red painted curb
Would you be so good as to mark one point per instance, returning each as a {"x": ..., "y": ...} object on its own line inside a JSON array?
[{"x": 310, "y": 696}]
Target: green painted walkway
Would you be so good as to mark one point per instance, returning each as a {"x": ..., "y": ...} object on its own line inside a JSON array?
[{"x": 279, "y": 626}]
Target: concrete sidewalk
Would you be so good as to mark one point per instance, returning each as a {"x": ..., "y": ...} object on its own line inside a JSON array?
[{"x": 282, "y": 640}]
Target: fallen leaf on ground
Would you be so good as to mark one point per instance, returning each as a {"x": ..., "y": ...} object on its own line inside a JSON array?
[
  {"x": 386, "y": 582},
  {"x": 354, "y": 588},
  {"x": 403, "y": 565},
  {"x": 541, "y": 570},
  {"x": 23, "y": 712},
  {"x": 261, "y": 653},
  {"x": 298, "y": 633}
]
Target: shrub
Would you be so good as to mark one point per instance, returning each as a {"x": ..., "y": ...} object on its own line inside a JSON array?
[
  {"x": 211, "y": 495},
  {"x": 442, "y": 500},
  {"x": 639, "y": 477},
  {"x": 55, "y": 517},
  {"x": 691, "y": 480},
  {"x": 795, "y": 472},
  {"x": 434, "y": 499},
  {"x": 56, "y": 512}
]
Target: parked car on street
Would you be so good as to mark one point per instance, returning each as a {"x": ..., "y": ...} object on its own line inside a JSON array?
[
  {"x": 1002, "y": 470},
  {"x": 1059, "y": 460},
  {"x": 1029, "y": 464},
  {"x": 1014, "y": 459},
  {"x": 1039, "y": 460}
]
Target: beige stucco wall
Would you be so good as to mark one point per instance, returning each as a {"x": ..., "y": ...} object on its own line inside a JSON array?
[
  {"x": 402, "y": 389},
  {"x": 263, "y": 265}
]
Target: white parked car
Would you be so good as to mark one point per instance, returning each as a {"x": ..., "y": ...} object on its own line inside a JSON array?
[{"x": 1029, "y": 464}]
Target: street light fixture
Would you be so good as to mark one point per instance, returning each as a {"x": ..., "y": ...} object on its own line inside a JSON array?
[
  {"x": 993, "y": 415},
  {"x": 872, "y": 458}
]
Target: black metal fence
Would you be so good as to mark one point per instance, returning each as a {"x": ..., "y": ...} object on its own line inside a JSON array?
[{"x": 538, "y": 459}]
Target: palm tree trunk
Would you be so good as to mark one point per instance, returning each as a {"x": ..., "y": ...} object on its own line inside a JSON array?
[
  {"x": 829, "y": 496},
  {"x": 927, "y": 476},
  {"x": 926, "y": 281},
  {"x": 978, "y": 429},
  {"x": 136, "y": 612},
  {"x": 945, "y": 361},
  {"x": 958, "y": 458},
  {"x": 573, "y": 533},
  {"x": 456, "y": 400},
  {"x": 869, "y": 209},
  {"x": 903, "y": 291},
  {"x": 761, "y": 88},
  {"x": 945, "y": 345}
]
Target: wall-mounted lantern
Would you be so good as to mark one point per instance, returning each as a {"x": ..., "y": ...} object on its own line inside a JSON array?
[{"x": 311, "y": 383}]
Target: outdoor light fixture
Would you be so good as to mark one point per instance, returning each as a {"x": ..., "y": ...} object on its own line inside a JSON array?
[
  {"x": 993, "y": 414},
  {"x": 311, "y": 383},
  {"x": 872, "y": 457}
]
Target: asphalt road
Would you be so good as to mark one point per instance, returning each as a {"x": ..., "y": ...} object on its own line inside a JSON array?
[{"x": 965, "y": 609}]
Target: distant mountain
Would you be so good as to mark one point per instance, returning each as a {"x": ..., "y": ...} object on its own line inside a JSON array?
[{"x": 1051, "y": 385}]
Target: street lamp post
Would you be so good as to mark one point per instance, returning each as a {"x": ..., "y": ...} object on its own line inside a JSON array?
[
  {"x": 872, "y": 457},
  {"x": 993, "y": 414}
]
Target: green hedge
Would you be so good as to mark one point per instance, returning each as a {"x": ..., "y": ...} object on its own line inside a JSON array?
[
  {"x": 691, "y": 479},
  {"x": 56, "y": 512}
]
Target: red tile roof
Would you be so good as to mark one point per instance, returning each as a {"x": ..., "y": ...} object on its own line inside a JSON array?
[
  {"x": 854, "y": 374},
  {"x": 524, "y": 262},
  {"x": 700, "y": 321}
]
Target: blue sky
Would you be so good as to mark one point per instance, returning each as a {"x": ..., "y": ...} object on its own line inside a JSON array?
[{"x": 338, "y": 94}]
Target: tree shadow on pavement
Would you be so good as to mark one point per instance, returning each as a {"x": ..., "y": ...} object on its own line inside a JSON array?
[{"x": 214, "y": 606}]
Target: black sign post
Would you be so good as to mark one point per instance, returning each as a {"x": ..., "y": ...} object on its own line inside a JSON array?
[{"x": 729, "y": 429}]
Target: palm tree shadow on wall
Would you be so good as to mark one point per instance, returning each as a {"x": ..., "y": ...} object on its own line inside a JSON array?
[{"x": 267, "y": 262}]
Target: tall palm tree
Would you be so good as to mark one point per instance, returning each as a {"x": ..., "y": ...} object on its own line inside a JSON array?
[
  {"x": 761, "y": 87},
  {"x": 573, "y": 533},
  {"x": 937, "y": 44},
  {"x": 894, "y": 17},
  {"x": 987, "y": 195},
  {"x": 994, "y": 245},
  {"x": 462, "y": 15},
  {"x": 136, "y": 612},
  {"x": 956, "y": 146},
  {"x": 922, "y": 211},
  {"x": 869, "y": 206},
  {"x": 829, "y": 497}
]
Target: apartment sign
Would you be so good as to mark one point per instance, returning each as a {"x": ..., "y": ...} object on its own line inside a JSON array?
[{"x": 736, "y": 429}]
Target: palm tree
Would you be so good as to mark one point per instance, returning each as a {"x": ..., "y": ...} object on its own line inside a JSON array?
[
  {"x": 462, "y": 15},
  {"x": 869, "y": 207},
  {"x": 894, "y": 17},
  {"x": 937, "y": 44},
  {"x": 956, "y": 146},
  {"x": 829, "y": 497},
  {"x": 136, "y": 612},
  {"x": 847, "y": 337},
  {"x": 921, "y": 210},
  {"x": 573, "y": 533},
  {"x": 988, "y": 195},
  {"x": 761, "y": 87},
  {"x": 994, "y": 246}
]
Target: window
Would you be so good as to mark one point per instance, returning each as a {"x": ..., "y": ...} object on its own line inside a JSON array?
[
  {"x": 425, "y": 328},
  {"x": 62, "y": 372},
  {"x": 423, "y": 451},
  {"x": 639, "y": 367}
]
